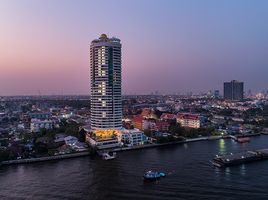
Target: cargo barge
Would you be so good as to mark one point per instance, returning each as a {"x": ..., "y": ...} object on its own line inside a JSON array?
[{"x": 240, "y": 158}]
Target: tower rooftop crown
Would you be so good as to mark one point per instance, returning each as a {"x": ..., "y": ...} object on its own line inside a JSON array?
[{"x": 103, "y": 37}]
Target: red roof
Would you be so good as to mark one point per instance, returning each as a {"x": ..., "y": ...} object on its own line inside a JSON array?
[
  {"x": 167, "y": 116},
  {"x": 188, "y": 116},
  {"x": 162, "y": 123},
  {"x": 146, "y": 112},
  {"x": 138, "y": 119}
]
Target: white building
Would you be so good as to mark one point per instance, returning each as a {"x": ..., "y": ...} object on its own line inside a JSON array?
[
  {"x": 75, "y": 144},
  {"x": 105, "y": 74},
  {"x": 132, "y": 137},
  {"x": 70, "y": 140},
  {"x": 59, "y": 137},
  {"x": 80, "y": 146}
]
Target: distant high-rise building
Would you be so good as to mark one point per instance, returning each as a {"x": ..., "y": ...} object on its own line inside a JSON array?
[
  {"x": 249, "y": 94},
  {"x": 216, "y": 94},
  {"x": 234, "y": 90},
  {"x": 106, "y": 97}
]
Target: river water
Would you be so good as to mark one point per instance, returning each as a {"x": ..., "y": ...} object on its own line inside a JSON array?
[{"x": 190, "y": 175}]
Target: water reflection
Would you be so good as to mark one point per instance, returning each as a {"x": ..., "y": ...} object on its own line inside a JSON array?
[
  {"x": 190, "y": 175},
  {"x": 227, "y": 173},
  {"x": 222, "y": 146},
  {"x": 243, "y": 170}
]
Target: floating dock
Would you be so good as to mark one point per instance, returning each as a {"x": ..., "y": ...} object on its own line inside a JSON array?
[{"x": 240, "y": 158}]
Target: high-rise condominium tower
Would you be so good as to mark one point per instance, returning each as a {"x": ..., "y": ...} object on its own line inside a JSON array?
[
  {"x": 105, "y": 74},
  {"x": 233, "y": 90}
]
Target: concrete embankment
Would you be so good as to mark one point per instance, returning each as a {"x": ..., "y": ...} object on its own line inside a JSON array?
[
  {"x": 47, "y": 158},
  {"x": 165, "y": 144},
  {"x": 146, "y": 146}
]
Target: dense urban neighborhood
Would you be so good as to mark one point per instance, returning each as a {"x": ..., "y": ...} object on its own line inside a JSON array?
[{"x": 33, "y": 127}]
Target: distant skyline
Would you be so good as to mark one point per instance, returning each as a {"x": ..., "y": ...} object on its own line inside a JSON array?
[{"x": 170, "y": 46}]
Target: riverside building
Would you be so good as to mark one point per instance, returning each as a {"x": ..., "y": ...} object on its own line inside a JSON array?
[
  {"x": 106, "y": 97},
  {"x": 188, "y": 120}
]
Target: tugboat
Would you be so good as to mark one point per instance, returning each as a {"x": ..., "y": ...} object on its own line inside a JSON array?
[
  {"x": 152, "y": 175},
  {"x": 109, "y": 155}
]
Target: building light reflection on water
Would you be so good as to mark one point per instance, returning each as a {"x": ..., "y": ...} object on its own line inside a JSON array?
[
  {"x": 222, "y": 146},
  {"x": 243, "y": 170}
]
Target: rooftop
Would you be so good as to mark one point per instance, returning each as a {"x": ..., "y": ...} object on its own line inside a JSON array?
[{"x": 104, "y": 38}]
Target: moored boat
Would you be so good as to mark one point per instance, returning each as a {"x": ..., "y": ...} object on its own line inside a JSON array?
[
  {"x": 108, "y": 155},
  {"x": 243, "y": 139}
]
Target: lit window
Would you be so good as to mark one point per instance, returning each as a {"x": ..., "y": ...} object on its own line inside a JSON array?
[
  {"x": 103, "y": 114},
  {"x": 103, "y": 103}
]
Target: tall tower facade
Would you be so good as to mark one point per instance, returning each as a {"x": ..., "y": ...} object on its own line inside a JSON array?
[
  {"x": 105, "y": 76},
  {"x": 233, "y": 90}
]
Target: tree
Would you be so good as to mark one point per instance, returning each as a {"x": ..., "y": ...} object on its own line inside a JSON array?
[
  {"x": 176, "y": 129},
  {"x": 43, "y": 131},
  {"x": 4, "y": 155},
  {"x": 148, "y": 133},
  {"x": 41, "y": 148},
  {"x": 82, "y": 135}
]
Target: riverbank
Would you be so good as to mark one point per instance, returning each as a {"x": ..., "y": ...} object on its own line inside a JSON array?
[
  {"x": 186, "y": 164},
  {"x": 160, "y": 145},
  {"x": 177, "y": 142},
  {"x": 46, "y": 158},
  {"x": 87, "y": 153}
]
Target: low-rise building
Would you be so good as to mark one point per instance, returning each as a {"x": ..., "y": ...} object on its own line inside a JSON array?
[
  {"x": 148, "y": 113},
  {"x": 73, "y": 142},
  {"x": 162, "y": 125},
  {"x": 70, "y": 140},
  {"x": 102, "y": 143},
  {"x": 80, "y": 146},
  {"x": 188, "y": 120},
  {"x": 40, "y": 115},
  {"x": 37, "y": 125},
  {"x": 59, "y": 138},
  {"x": 138, "y": 122},
  {"x": 132, "y": 137},
  {"x": 103, "y": 139},
  {"x": 167, "y": 116},
  {"x": 149, "y": 124}
]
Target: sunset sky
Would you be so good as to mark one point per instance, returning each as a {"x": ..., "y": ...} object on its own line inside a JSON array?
[{"x": 168, "y": 45}]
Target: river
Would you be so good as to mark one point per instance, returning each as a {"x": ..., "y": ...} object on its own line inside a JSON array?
[{"x": 190, "y": 175}]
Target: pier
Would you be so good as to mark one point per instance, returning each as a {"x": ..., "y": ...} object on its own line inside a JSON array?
[{"x": 240, "y": 158}]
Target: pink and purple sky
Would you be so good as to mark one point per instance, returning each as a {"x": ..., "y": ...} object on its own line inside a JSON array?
[{"x": 168, "y": 45}]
